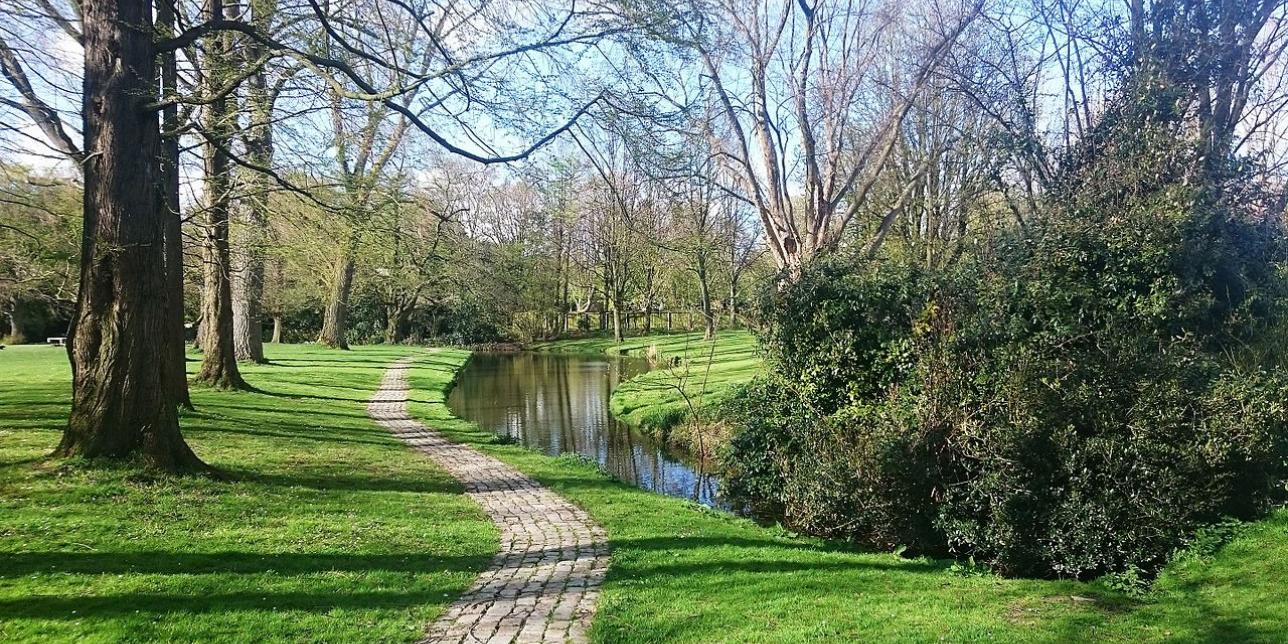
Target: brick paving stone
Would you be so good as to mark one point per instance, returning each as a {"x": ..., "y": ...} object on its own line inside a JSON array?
[{"x": 542, "y": 584}]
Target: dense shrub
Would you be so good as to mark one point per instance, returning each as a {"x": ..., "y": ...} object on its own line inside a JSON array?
[{"x": 1071, "y": 400}]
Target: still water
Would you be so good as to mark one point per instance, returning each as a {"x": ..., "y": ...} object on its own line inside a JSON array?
[{"x": 558, "y": 404}]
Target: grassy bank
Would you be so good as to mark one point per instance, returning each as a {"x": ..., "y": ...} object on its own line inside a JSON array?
[
  {"x": 692, "y": 375},
  {"x": 332, "y": 531},
  {"x": 328, "y": 529},
  {"x": 683, "y": 573}
]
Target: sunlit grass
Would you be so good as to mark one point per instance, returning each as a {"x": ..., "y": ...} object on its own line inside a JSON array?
[
  {"x": 684, "y": 573},
  {"x": 327, "y": 528}
]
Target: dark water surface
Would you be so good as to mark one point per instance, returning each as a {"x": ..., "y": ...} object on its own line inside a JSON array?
[{"x": 558, "y": 404}]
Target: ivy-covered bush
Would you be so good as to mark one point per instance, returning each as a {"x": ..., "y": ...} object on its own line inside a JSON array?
[{"x": 1073, "y": 399}]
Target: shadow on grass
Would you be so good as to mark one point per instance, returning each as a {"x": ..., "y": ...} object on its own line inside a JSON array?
[
  {"x": 732, "y": 556},
  {"x": 123, "y": 604},
  {"x": 348, "y": 483},
  {"x": 313, "y": 436}
]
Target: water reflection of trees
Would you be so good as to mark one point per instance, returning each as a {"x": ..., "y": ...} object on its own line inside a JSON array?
[{"x": 559, "y": 404}]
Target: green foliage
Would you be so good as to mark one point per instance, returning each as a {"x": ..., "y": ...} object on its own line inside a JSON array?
[
  {"x": 1074, "y": 400},
  {"x": 682, "y": 573},
  {"x": 39, "y": 253}
]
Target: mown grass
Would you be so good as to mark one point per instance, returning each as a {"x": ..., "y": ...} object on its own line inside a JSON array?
[
  {"x": 692, "y": 375},
  {"x": 684, "y": 573},
  {"x": 331, "y": 531},
  {"x": 327, "y": 528}
]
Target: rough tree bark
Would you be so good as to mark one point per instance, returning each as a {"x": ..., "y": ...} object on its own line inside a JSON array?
[
  {"x": 248, "y": 290},
  {"x": 335, "y": 320},
  {"x": 396, "y": 317},
  {"x": 248, "y": 284},
  {"x": 177, "y": 374},
  {"x": 219, "y": 361},
  {"x": 122, "y": 403}
]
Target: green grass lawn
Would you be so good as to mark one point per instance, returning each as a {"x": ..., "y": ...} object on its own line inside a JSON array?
[
  {"x": 332, "y": 531},
  {"x": 662, "y": 398},
  {"x": 328, "y": 529},
  {"x": 683, "y": 573}
]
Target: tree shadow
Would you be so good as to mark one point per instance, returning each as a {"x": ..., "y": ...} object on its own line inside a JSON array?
[
  {"x": 296, "y": 363},
  {"x": 201, "y": 412},
  {"x": 301, "y": 435},
  {"x": 348, "y": 483},
  {"x": 64, "y": 607}
]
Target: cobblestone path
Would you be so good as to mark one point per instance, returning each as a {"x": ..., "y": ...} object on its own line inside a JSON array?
[{"x": 544, "y": 583}]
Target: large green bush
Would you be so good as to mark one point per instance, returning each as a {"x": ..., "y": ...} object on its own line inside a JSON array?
[{"x": 1073, "y": 399}]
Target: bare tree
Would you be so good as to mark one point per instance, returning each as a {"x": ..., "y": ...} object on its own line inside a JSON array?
[{"x": 797, "y": 84}]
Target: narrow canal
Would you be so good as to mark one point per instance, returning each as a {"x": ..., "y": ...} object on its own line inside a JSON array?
[{"x": 558, "y": 404}]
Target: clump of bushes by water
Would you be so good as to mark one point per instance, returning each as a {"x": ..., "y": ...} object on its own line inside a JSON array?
[{"x": 1074, "y": 398}]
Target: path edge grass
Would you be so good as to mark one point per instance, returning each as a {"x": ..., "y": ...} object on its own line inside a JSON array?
[{"x": 1178, "y": 608}]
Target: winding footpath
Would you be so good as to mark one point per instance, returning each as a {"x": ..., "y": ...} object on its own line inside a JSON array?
[{"x": 543, "y": 584}]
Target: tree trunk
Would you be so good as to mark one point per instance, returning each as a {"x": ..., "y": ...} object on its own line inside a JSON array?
[
  {"x": 396, "y": 319},
  {"x": 24, "y": 320},
  {"x": 248, "y": 288},
  {"x": 14, "y": 332},
  {"x": 219, "y": 362},
  {"x": 617, "y": 320},
  {"x": 248, "y": 285},
  {"x": 248, "y": 332},
  {"x": 733, "y": 303},
  {"x": 122, "y": 403},
  {"x": 335, "y": 320},
  {"x": 177, "y": 376},
  {"x": 277, "y": 329},
  {"x": 704, "y": 293}
]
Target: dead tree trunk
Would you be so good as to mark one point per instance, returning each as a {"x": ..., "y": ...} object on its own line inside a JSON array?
[
  {"x": 277, "y": 329},
  {"x": 122, "y": 403}
]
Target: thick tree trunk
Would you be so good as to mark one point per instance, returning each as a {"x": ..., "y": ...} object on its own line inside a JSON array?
[
  {"x": 335, "y": 320},
  {"x": 248, "y": 287},
  {"x": 14, "y": 334},
  {"x": 177, "y": 375},
  {"x": 25, "y": 321},
  {"x": 219, "y": 361},
  {"x": 248, "y": 332},
  {"x": 277, "y": 329},
  {"x": 396, "y": 319},
  {"x": 122, "y": 403}
]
